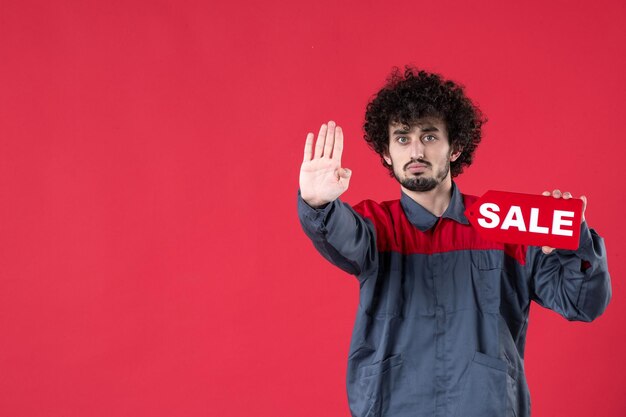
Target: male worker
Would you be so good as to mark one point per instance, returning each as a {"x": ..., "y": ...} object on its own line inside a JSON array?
[{"x": 443, "y": 313}]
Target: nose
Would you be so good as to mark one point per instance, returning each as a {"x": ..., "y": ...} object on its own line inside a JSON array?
[{"x": 417, "y": 149}]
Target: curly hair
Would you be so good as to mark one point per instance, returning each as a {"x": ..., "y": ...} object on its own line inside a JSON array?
[{"x": 413, "y": 94}]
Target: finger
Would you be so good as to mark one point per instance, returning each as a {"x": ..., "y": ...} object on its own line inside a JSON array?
[
  {"x": 338, "y": 148},
  {"x": 308, "y": 146},
  {"x": 567, "y": 195},
  {"x": 584, "y": 199},
  {"x": 556, "y": 193},
  {"x": 319, "y": 145},
  {"x": 546, "y": 193},
  {"x": 547, "y": 249},
  {"x": 330, "y": 139},
  {"x": 344, "y": 173},
  {"x": 343, "y": 177}
]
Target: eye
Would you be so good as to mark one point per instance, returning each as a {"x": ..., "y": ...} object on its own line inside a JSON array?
[
  {"x": 429, "y": 138},
  {"x": 402, "y": 139}
]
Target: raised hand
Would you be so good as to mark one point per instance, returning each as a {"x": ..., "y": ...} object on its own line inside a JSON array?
[
  {"x": 322, "y": 179},
  {"x": 557, "y": 194}
]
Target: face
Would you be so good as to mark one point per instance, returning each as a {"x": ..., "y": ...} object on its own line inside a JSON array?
[{"x": 420, "y": 154}]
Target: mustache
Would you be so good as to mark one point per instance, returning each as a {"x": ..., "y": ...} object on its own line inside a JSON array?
[{"x": 417, "y": 161}]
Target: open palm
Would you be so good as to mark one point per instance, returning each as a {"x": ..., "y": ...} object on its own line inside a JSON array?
[{"x": 322, "y": 179}]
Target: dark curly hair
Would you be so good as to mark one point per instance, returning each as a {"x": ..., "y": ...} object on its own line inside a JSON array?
[{"x": 414, "y": 94}]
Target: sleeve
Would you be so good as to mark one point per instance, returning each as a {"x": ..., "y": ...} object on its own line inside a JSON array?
[
  {"x": 575, "y": 284},
  {"x": 340, "y": 235}
]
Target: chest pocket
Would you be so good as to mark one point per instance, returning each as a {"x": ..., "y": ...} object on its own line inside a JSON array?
[{"x": 487, "y": 272}]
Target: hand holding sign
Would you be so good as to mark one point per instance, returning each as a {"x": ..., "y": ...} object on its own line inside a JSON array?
[
  {"x": 566, "y": 195},
  {"x": 529, "y": 219}
]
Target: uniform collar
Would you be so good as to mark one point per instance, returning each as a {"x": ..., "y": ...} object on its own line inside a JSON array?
[{"x": 424, "y": 219}]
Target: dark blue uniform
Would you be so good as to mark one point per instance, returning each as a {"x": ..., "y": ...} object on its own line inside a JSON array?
[{"x": 443, "y": 313}]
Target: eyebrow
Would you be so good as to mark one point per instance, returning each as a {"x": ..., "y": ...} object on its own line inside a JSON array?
[{"x": 425, "y": 129}]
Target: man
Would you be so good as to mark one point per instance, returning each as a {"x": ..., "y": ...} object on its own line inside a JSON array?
[{"x": 443, "y": 313}]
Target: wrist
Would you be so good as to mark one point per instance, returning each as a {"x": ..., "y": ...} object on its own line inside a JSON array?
[{"x": 315, "y": 204}]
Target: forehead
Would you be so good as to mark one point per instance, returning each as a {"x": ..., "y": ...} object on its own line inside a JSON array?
[{"x": 426, "y": 124}]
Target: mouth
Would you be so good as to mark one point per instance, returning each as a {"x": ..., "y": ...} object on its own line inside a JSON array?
[{"x": 416, "y": 167}]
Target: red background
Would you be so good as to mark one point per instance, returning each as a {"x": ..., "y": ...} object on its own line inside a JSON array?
[{"x": 151, "y": 259}]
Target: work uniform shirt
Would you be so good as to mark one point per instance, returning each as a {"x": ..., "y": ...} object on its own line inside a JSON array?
[{"x": 443, "y": 313}]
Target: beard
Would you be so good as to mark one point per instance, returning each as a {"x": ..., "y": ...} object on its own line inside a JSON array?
[{"x": 422, "y": 183}]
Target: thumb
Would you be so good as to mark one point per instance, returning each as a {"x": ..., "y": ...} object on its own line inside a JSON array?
[
  {"x": 344, "y": 173},
  {"x": 584, "y": 199}
]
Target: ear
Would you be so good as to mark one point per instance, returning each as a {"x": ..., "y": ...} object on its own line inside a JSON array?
[
  {"x": 455, "y": 155},
  {"x": 386, "y": 157}
]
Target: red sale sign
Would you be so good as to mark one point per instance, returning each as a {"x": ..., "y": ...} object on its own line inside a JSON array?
[{"x": 528, "y": 219}]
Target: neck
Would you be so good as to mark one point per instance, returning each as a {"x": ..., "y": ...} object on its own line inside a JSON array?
[{"x": 436, "y": 200}]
